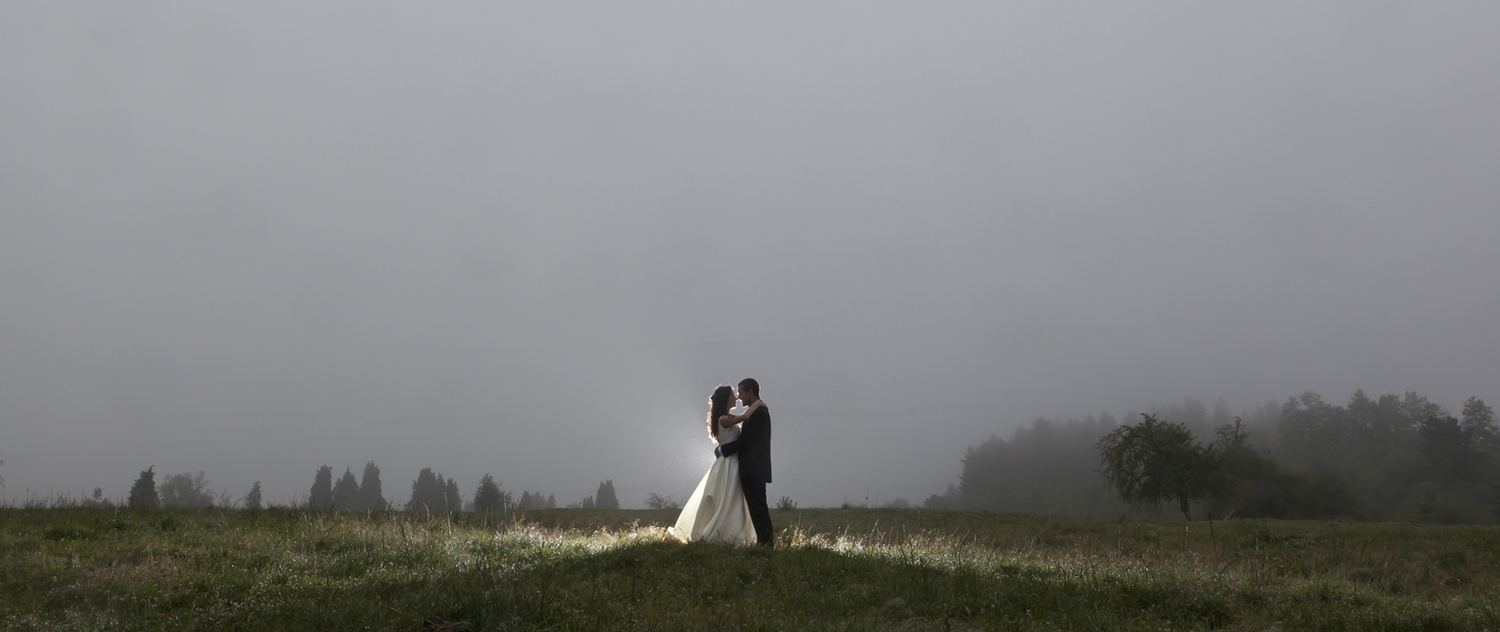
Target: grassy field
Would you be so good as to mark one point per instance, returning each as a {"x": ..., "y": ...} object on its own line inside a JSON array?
[{"x": 832, "y": 569}]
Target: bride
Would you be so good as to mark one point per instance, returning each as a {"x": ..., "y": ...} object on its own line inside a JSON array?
[{"x": 716, "y": 512}]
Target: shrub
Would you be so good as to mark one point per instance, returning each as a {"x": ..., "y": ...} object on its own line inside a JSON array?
[
  {"x": 185, "y": 490},
  {"x": 657, "y": 501}
]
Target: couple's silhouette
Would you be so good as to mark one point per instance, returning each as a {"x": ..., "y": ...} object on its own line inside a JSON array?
[{"x": 729, "y": 504}]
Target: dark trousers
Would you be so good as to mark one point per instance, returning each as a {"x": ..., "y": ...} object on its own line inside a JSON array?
[{"x": 760, "y": 514}]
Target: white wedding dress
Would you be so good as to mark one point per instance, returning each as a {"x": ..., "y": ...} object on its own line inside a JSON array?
[{"x": 716, "y": 512}]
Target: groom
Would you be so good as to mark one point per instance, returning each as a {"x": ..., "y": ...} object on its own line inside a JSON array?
[{"x": 754, "y": 448}]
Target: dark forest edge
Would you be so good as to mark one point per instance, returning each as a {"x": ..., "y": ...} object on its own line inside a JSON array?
[{"x": 1392, "y": 458}]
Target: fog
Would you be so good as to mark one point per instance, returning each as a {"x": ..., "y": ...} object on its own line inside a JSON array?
[{"x": 530, "y": 239}]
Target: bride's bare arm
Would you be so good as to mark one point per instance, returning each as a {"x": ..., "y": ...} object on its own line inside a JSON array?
[{"x": 730, "y": 420}]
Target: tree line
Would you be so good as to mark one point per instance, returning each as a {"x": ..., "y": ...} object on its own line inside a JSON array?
[
  {"x": 1386, "y": 458},
  {"x": 430, "y": 492}
]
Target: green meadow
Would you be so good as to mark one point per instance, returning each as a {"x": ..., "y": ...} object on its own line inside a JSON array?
[{"x": 831, "y": 569}]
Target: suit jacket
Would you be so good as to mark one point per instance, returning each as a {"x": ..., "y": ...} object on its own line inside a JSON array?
[{"x": 753, "y": 446}]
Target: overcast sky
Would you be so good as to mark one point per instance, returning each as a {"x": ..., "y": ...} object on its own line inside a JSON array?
[{"x": 530, "y": 239}]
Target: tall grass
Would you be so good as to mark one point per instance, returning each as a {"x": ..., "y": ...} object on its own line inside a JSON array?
[{"x": 79, "y": 568}]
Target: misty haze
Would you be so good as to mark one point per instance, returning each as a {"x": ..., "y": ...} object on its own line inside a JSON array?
[{"x": 496, "y": 257}]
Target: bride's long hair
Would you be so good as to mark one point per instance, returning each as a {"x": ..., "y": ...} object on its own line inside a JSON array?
[{"x": 718, "y": 406}]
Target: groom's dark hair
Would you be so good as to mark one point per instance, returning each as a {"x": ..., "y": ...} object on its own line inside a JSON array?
[{"x": 749, "y": 384}]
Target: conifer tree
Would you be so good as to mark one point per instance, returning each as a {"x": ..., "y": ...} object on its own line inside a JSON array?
[
  {"x": 1479, "y": 422},
  {"x": 451, "y": 499},
  {"x": 551, "y": 501},
  {"x": 252, "y": 499},
  {"x": 321, "y": 496},
  {"x": 489, "y": 497},
  {"x": 428, "y": 492},
  {"x": 588, "y": 502},
  {"x": 605, "y": 497},
  {"x": 370, "y": 495},
  {"x": 346, "y": 492},
  {"x": 143, "y": 492}
]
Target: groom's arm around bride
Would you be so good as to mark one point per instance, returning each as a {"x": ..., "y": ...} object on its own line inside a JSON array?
[{"x": 753, "y": 446}]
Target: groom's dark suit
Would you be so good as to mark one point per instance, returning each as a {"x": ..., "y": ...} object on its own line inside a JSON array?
[{"x": 754, "y": 448}]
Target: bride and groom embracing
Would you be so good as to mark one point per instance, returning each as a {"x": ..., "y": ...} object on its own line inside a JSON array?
[{"x": 729, "y": 504}]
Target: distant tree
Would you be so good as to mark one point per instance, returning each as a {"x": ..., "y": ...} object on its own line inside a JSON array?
[
  {"x": 428, "y": 493},
  {"x": 489, "y": 497},
  {"x": 1155, "y": 461},
  {"x": 346, "y": 492},
  {"x": 786, "y": 504},
  {"x": 1222, "y": 414},
  {"x": 1237, "y": 468},
  {"x": 605, "y": 497},
  {"x": 1374, "y": 448},
  {"x": 1369, "y": 423},
  {"x": 657, "y": 501},
  {"x": 588, "y": 503},
  {"x": 452, "y": 501},
  {"x": 143, "y": 492},
  {"x": 98, "y": 500},
  {"x": 1308, "y": 422},
  {"x": 1247, "y": 483},
  {"x": 1193, "y": 414},
  {"x": 1479, "y": 422},
  {"x": 1046, "y": 467},
  {"x": 1449, "y": 447},
  {"x": 951, "y": 499},
  {"x": 1418, "y": 409},
  {"x": 370, "y": 495},
  {"x": 1262, "y": 425},
  {"x": 252, "y": 499},
  {"x": 185, "y": 490},
  {"x": 2, "y": 478},
  {"x": 321, "y": 495},
  {"x": 535, "y": 500}
]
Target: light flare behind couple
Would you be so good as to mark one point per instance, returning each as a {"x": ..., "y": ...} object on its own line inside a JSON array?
[{"x": 729, "y": 504}]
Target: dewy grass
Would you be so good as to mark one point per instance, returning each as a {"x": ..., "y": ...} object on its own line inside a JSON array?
[{"x": 78, "y": 568}]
